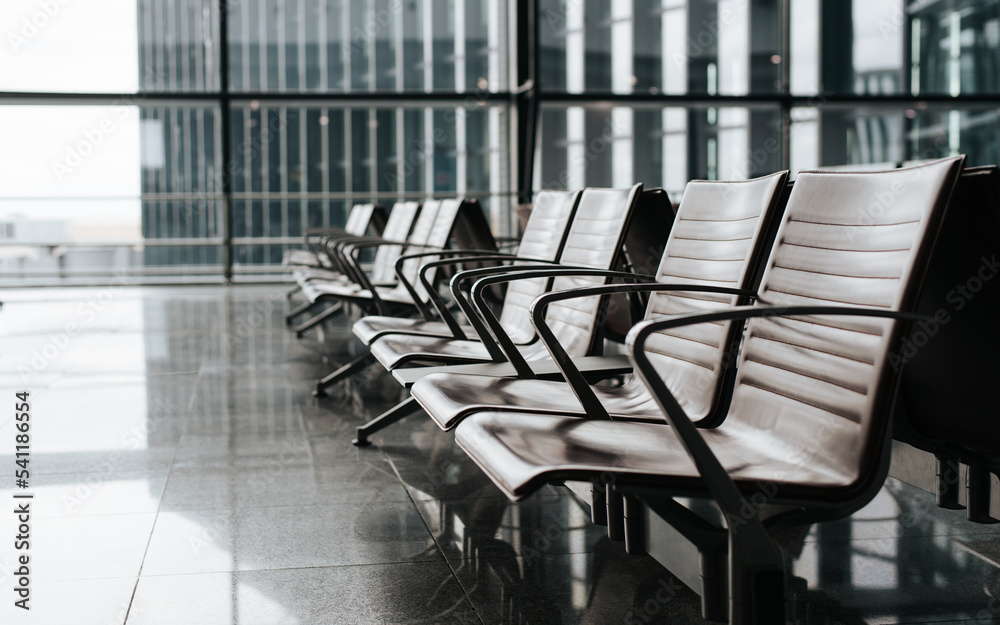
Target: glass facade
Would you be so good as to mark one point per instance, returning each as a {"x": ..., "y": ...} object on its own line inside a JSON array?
[{"x": 196, "y": 139}]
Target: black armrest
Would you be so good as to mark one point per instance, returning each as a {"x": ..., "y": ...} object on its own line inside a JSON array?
[
  {"x": 502, "y": 338},
  {"x": 350, "y": 253},
  {"x": 487, "y": 339},
  {"x": 591, "y": 405},
  {"x": 749, "y": 542},
  {"x": 438, "y": 301},
  {"x": 424, "y": 311},
  {"x": 339, "y": 252},
  {"x": 328, "y": 244}
]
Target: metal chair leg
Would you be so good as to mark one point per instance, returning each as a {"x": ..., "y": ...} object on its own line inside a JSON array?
[
  {"x": 347, "y": 370},
  {"x": 323, "y": 316},
  {"x": 403, "y": 409},
  {"x": 295, "y": 312}
]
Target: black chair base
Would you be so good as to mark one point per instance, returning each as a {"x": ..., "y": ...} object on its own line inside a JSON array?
[
  {"x": 295, "y": 312},
  {"x": 395, "y": 414},
  {"x": 347, "y": 370},
  {"x": 314, "y": 321}
]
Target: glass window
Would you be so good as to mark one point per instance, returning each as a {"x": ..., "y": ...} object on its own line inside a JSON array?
[
  {"x": 658, "y": 146},
  {"x": 52, "y": 47}
]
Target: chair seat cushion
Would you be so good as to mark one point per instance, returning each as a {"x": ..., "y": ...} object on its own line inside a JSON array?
[
  {"x": 523, "y": 451},
  {"x": 317, "y": 289},
  {"x": 304, "y": 274},
  {"x": 449, "y": 397},
  {"x": 369, "y": 328},
  {"x": 394, "y": 350},
  {"x": 299, "y": 257}
]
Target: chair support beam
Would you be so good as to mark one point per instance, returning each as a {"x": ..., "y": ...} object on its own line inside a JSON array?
[{"x": 395, "y": 414}]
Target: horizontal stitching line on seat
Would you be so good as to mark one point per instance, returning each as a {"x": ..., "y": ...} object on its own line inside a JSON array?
[
  {"x": 839, "y": 275},
  {"x": 828, "y": 223},
  {"x": 688, "y": 338},
  {"x": 719, "y": 220},
  {"x": 840, "y": 249},
  {"x": 714, "y": 260},
  {"x": 801, "y": 401},
  {"x": 698, "y": 278},
  {"x": 822, "y": 351},
  {"x": 804, "y": 374},
  {"x": 826, "y": 299},
  {"x": 811, "y": 320},
  {"x": 686, "y": 295},
  {"x": 678, "y": 237},
  {"x": 676, "y": 357}
]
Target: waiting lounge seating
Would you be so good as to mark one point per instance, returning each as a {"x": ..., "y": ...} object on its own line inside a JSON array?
[
  {"x": 606, "y": 225},
  {"x": 596, "y": 238},
  {"x": 363, "y": 218},
  {"x": 542, "y": 241},
  {"x": 805, "y": 437},
  {"x": 397, "y": 228},
  {"x": 460, "y": 221},
  {"x": 950, "y": 411},
  {"x": 719, "y": 235}
]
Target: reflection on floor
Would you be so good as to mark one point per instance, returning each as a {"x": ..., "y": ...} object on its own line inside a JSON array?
[{"x": 182, "y": 473}]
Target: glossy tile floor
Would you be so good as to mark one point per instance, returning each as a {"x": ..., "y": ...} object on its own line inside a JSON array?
[{"x": 183, "y": 474}]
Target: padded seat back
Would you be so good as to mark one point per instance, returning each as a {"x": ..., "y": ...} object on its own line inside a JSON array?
[
  {"x": 543, "y": 238},
  {"x": 364, "y": 217},
  {"x": 438, "y": 233},
  {"x": 818, "y": 389},
  {"x": 648, "y": 230},
  {"x": 397, "y": 228},
  {"x": 471, "y": 230},
  {"x": 950, "y": 371},
  {"x": 717, "y": 238},
  {"x": 595, "y": 240},
  {"x": 357, "y": 219}
]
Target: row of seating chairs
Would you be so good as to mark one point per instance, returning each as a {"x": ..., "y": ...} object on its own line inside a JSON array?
[{"x": 764, "y": 378}]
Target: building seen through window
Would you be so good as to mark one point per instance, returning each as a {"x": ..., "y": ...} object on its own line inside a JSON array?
[{"x": 152, "y": 152}]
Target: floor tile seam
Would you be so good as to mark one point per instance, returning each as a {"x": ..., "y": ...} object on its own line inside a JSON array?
[
  {"x": 301, "y": 506},
  {"x": 156, "y": 519},
  {"x": 229, "y": 569},
  {"x": 349, "y": 565},
  {"x": 962, "y": 534},
  {"x": 171, "y": 510},
  {"x": 437, "y": 544},
  {"x": 90, "y": 516}
]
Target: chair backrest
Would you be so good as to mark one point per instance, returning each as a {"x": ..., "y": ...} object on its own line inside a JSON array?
[
  {"x": 717, "y": 239},
  {"x": 471, "y": 230},
  {"x": 543, "y": 238},
  {"x": 365, "y": 217},
  {"x": 357, "y": 220},
  {"x": 647, "y": 233},
  {"x": 821, "y": 387},
  {"x": 952, "y": 408},
  {"x": 435, "y": 234},
  {"x": 397, "y": 228},
  {"x": 594, "y": 240}
]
